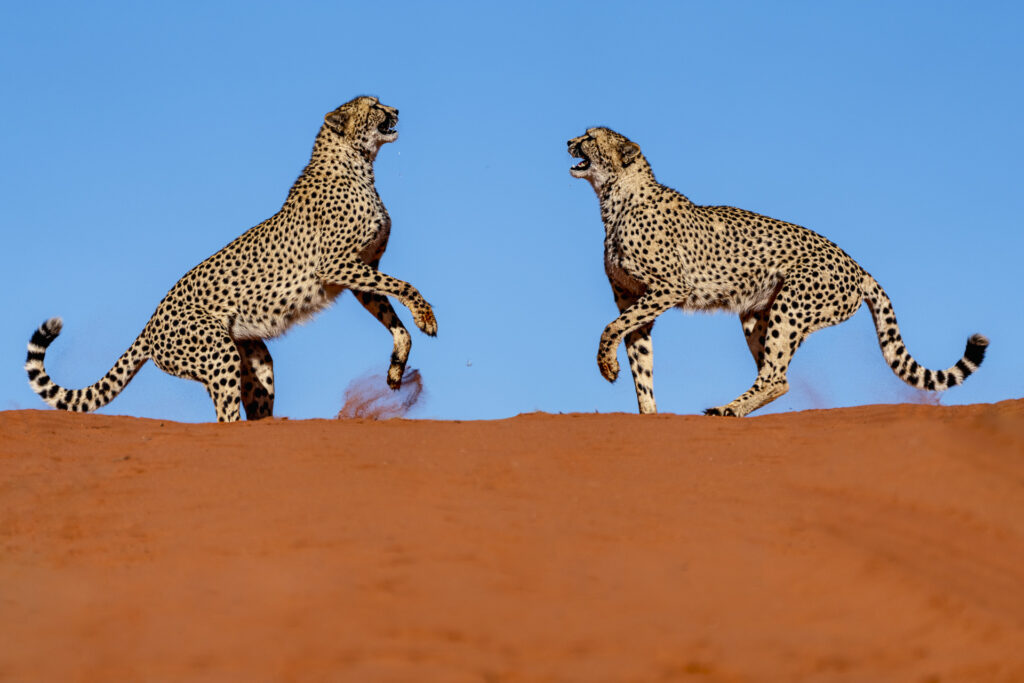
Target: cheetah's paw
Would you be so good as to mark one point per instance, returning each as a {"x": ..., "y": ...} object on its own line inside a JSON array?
[
  {"x": 609, "y": 368},
  {"x": 722, "y": 411},
  {"x": 426, "y": 321},
  {"x": 395, "y": 373}
]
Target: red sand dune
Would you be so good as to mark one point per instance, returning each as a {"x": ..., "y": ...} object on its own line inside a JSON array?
[{"x": 883, "y": 543}]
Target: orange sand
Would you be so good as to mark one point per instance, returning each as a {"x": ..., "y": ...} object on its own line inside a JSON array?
[{"x": 883, "y": 543}]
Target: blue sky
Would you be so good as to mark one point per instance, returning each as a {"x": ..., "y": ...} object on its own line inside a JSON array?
[{"x": 139, "y": 138}]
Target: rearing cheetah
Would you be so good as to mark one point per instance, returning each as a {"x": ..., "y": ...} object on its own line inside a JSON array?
[
  {"x": 784, "y": 281},
  {"x": 328, "y": 237}
]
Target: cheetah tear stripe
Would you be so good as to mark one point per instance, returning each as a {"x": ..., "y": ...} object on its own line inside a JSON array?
[
  {"x": 77, "y": 400},
  {"x": 899, "y": 358}
]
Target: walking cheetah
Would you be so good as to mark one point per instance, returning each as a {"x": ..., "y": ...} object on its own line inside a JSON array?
[
  {"x": 328, "y": 237},
  {"x": 784, "y": 281}
]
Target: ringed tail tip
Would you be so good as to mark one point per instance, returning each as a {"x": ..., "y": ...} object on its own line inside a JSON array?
[
  {"x": 47, "y": 332},
  {"x": 976, "y": 347}
]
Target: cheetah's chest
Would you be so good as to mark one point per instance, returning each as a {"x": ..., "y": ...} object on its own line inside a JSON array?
[
  {"x": 377, "y": 230},
  {"x": 619, "y": 266}
]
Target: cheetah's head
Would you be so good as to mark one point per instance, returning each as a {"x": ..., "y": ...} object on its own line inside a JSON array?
[
  {"x": 365, "y": 123},
  {"x": 604, "y": 155}
]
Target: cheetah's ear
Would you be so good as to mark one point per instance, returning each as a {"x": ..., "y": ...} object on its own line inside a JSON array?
[
  {"x": 335, "y": 120},
  {"x": 628, "y": 152}
]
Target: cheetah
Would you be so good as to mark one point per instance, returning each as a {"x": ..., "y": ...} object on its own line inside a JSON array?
[
  {"x": 785, "y": 281},
  {"x": 328, "y": 237}
]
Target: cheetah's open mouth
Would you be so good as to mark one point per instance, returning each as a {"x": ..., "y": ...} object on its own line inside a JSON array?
[
  {"x": 583, "y": 165},
  {"x": 387, "y": 126},
  {"x": 577, "y": 152}
]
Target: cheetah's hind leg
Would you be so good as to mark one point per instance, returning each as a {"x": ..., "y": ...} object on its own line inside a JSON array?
[
  {"x": 257, "y": 379},
  {"x": 755, "y": 329},
  {"x": 212, "y": 359},
  {"x": 772, "y": 346},
  {"x": 776, "y": 333}
]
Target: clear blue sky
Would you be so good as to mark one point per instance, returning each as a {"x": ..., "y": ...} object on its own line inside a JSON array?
[{"x": 139, "y": 138}]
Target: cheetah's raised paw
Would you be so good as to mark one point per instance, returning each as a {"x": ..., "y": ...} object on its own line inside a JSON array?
[
  {"x": 609, "y": 368},
  {"x": 426, "y": 321}
]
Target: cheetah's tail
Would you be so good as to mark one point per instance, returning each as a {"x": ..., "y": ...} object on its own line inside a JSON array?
[
  {"x": 78, "y": 400},
  {"x": 899, "y": 359}
]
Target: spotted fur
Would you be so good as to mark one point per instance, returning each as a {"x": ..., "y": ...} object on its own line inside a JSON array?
[
  {"x": 784, "y": 281},
  {"x": 328, "y": 237}
]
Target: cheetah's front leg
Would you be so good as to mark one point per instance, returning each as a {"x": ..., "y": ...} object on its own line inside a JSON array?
[
  {"x": 640, "y": 351},
  {"x": 380, "y": 308},
  {"x": 642, "y": 313},
  {"x": 358, "y": 276}
]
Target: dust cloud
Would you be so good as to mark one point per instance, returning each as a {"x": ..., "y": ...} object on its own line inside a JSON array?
[
  {"x": 908, "y": 394},
  {"x": 369, "y": 397}
]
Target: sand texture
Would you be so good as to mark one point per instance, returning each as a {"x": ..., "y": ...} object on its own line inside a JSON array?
[{"x": 882, "y": 543}]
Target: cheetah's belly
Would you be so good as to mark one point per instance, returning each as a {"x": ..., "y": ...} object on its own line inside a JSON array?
[
  {"x": 280, "y": 317},
  {"x": 737, "y": 289}
]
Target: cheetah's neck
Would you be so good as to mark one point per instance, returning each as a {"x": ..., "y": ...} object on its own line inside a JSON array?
[
  {"x": 333, "y": 154},
  {"x": 628, "y": 189}
]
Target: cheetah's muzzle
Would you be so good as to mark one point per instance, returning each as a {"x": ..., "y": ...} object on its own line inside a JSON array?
[
  {"x": 387, "y": 126},
  {"x": 577, "y": 152}
]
